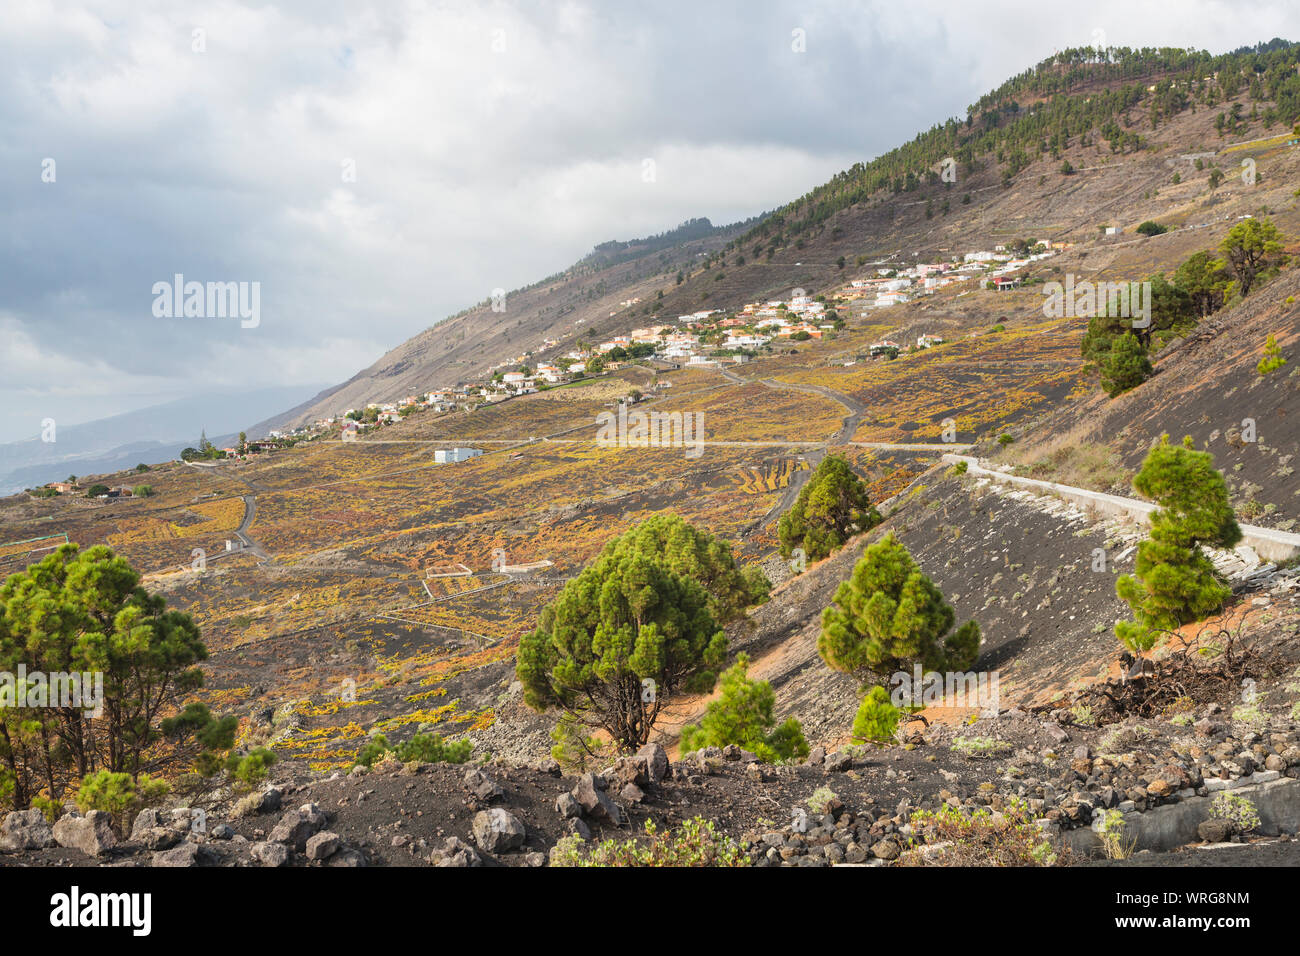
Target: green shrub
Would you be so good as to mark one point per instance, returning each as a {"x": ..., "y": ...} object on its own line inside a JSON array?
[
  {"x": 1273, "y": 358},
  {"x": 51, "y": 809},
  {"x": 119, "y": 794},
  {"x": 424, "y": 748},
  {"x": 743, "y": 715},
  {"x": 251, "y": 770},
  {"x": 877, "y": 718},
  {"x": 822, "y": 800},
  {"x": 430, "y": 748},
  {"x": 696, "y": 843},
  {"x": 373, "y": 750},
  {"x": 1236, "y": 809},
  {"x": 575, "y": 750}
]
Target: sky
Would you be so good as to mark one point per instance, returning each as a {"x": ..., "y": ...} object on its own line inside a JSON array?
[{"x": 368, "y": 168}]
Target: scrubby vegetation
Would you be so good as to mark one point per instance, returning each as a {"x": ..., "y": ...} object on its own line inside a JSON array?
[
  {"x": 981, "y": 837},
  {"x": 422, "y": 748},
  {"x": 695, "y": 843},
  {"x": 744, "y": 715}
]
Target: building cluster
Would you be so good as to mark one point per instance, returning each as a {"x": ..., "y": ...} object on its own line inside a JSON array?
[
  {"x": 709, "y": 337},
  {"x": 996, "y": 269}
]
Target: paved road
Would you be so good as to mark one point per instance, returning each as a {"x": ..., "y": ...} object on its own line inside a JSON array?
[{"x": 1269, "y": 543}]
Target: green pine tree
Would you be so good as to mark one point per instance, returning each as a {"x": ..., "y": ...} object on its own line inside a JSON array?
[
  {"x": 743, "y": 715},
  {"x": 619, "y": 640},
  {"x": 1273, "y": 358},
  {"x": 1126, "y": 367},
  {"x": 1174, "y": 583},
  {"x": 877, "y": 718},
  {"x": 888, "y": 616},
  {"x": 1252, "y": 249},
  {"x": 831, "y": 507},
  {"x": 696, "y": 554}
]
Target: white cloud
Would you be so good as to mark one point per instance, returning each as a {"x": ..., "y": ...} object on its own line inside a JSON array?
[{"x": 474, "y": 168}]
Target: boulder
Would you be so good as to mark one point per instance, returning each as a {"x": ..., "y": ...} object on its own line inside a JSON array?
[
  {"x": 156, "y": 838},
  {"x": 548, "y": 765},
  {"x": 497, "y": 830},
  {"x": 657, "y": 766},
  {"x": 482, "y": 786},
  {"x": 837, "y": 762},
  {"x": 92, "y": 834},
  {"x": 887, "y": 849},
  {"x": 455, "y": 852},
  {"x": 593, "y": 801},
  {"x": 567, "y": 806},
  {"x": 1215, "y": 831},
  {"x": 270, "y": 854},
  {"x": 347, "y": 857},
  {"x": 297, "y": 826},
  {"x": 187, "y": 854},
  {"x": 628, "y": 770},
  {"x": 631, "y": 793},
  {"x": 321, "y": 846},
  {"x": 26, "y": 830}
]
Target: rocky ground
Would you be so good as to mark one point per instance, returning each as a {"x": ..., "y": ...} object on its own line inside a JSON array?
[{"x": 853, "y": 806}]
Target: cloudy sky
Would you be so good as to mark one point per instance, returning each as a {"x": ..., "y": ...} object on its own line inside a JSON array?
[{"x": 378, "y": 165}]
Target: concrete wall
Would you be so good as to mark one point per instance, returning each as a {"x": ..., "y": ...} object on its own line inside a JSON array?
[{"x": 1172, "y": 825}]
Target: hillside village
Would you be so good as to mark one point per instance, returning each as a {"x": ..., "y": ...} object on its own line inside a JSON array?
[{"x": 709, "y": 338}]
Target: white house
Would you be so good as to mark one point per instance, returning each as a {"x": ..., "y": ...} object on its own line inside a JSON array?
[{"x": 446, "y": 456}]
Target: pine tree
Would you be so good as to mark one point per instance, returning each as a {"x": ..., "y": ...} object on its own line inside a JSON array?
[
  {"x": 1273, "y": 358},
  {"x": 743, "y": 715},
  {"x": 831, "y": 507},
  {"x": 619, "y": 640},
  {"x": 1253, "y": 248},
  {"x": 84, "y": 611},
  {"x": 888, "y": 616},
  {"x": 696, "y": 554},
  {"x": 1126, "y": 367},
  {"x": 1174, "y": 583}
]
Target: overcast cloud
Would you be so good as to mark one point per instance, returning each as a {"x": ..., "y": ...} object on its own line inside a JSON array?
[{"x": 493, "y": 144}]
